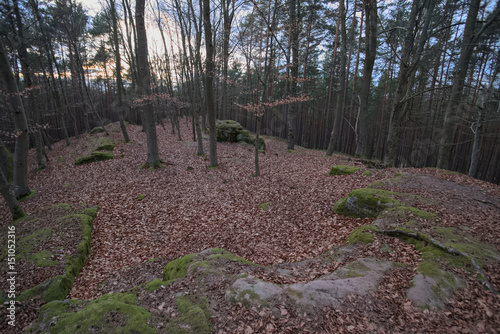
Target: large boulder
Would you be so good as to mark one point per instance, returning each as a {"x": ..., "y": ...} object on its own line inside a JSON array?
[{"x": 233, "y": 132}]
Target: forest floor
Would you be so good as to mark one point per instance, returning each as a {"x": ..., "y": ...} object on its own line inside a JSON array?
[{"x": 284, "y": 216}]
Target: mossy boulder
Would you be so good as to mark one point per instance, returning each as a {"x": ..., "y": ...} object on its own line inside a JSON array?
[
  {"x": 98, "y": 129},
  {"x": 93, "y": 157},
  {"x": 343, "y": 170},
  {"x": 233, "y": 132},
  {"x": 371, "y": 202},
  {"x": 101, "y": 149},
  {"x": 193, "y": 315},
  {"x": 104, "y": 144},
  {"x": 113, "y": 313}
]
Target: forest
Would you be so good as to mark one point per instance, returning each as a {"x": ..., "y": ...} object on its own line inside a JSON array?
[
  {"x": 361, "y": 193},
  {"x": 401, "y": 83}
]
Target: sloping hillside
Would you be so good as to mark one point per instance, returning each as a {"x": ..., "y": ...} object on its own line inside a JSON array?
[{"x": 285, "y": 223}]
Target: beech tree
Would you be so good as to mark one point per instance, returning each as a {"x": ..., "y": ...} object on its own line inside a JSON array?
[
  {"x": 209, "y": 78},
  {"x": 20, "y": 180},
  {"x": 144, "y": 84}
]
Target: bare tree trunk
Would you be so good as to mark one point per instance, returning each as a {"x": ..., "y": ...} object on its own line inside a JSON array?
[
  {"x": 10, "y": 199},
  {"x": 6, "y": 162},
  {"x": 144, "y": 83},
  {"x": 209, "y": 75},
  {"x": 119, "y": 82},
  {"x": 294, "y": 6},
  {"x": 363, "y": 137},
  {"x": 339, "y": 108},
  {"x": 20, "y": 181}
]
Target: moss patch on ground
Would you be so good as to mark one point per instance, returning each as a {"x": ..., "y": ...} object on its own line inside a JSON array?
[
  {"x": 113, "y": 313},
  {"x": 343, "y": 170},
  {"x": 362, "y": 235},
  {"x": 48, "y": 247}
]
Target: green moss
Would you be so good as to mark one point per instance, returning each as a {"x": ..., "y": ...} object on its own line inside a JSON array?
[
  {"x": 18, "y": 213},
  {"x": 343, "y": 170},
  {"x": 365, "y": 202},
  {"x": 42, "y": 259},
  {"x": 155, "y": 284},
  {"x": 63, "y": 206},
  {"x": 95, "y": 156},
  {"x": 177, "y": 268},
  {"x": 25, "y": 244},
  {"x": 98, "y": 129},
  {"x": 263, "y": 206},
  {"x": 27, "y": 196},
  {"x": 141, "y": 197},
  {"x": 229, "y": 256},
  {"x": 104, "y": 144},
  {"x": 245, "y": 296},
  {"x": 371, "y": 202},
  {"x": 366, "y": 173},
  {"x": 193, "y": 315},
  {"x": 113, "y": 313},
  {"x": 152, "y": 166},
  {"x": 362, "y": 235},
  {"x": 92, "y": 212}
]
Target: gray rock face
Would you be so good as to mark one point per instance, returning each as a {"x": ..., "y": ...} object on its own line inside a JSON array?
[
  {"x": 356, "y": 278},
  {"x": 433, "y": 292}
]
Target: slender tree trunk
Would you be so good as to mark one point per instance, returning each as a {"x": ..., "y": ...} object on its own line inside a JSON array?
[
  {"x": 294, "y": 70},
  {"x": 118, "y": 63},
  {"x": 339, "y": 108},
  {"x": 363, "y": 124},
  {"x": 144, "y": 83},
  {"x": 209, "y": 75},
  {"x": 20, "y": 181}
]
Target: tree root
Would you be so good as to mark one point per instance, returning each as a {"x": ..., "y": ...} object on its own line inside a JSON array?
[{"x": 448, "y": 249}]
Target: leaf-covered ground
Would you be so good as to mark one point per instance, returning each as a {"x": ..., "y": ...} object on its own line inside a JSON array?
[{"x": 286, "y": 215}]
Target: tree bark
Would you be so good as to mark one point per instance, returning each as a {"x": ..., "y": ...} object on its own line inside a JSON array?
[
  {"x": 294, "y": 70},
  {"x": 209, "y": 78},
  {"x": 119, "y": 82},
  {"x": 20, "y": 181},
  {"x": 10, "y": 199},
  {"x": 362, "y": 142},
  {"x": 144, "y": 83},
  {"x": 339, "y": 108}
]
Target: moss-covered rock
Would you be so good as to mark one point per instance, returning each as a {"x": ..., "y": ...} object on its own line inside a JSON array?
[
  {"x": 113, "y": 313},
  {"x": 362, "y": 235},
  {"x": 177, "y": 268},
  {"x": 104, "y": 144},
  {"x": 232, "y": 131},
  {"x": 343, "y": 170},
  {"x": 57, "y": 287},
  {"x": 193, "y": 315},
  {"x": 98, "y": 129},
  {"x": 94, "y": 156},
  {"x": 371, "y": 202}
]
